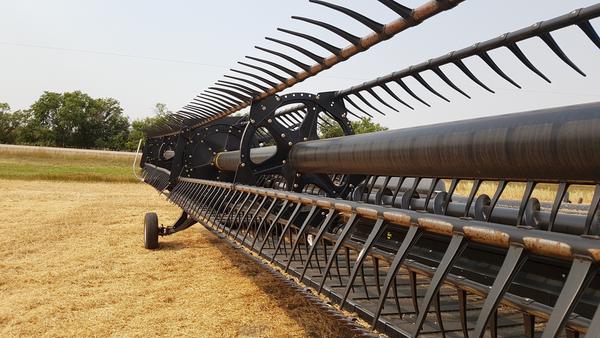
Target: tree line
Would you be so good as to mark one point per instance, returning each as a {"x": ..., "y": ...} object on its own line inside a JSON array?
[{"x": 74, "y": 120}]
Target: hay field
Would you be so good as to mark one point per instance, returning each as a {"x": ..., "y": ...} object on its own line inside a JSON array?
[
  {"x": 43, "y": 163},
  {"x": 72, "y": 263}
]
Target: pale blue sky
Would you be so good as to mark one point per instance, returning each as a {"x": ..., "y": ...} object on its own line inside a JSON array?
[{"x": 169, "y": 51}]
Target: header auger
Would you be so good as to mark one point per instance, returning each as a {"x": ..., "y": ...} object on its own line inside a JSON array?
[{"x": 484, "y": 226}]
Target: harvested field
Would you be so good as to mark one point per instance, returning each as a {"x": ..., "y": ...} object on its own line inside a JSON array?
[{"x": 73, "y": 264}]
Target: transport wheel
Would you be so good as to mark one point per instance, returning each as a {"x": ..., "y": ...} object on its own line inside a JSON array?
[{"x": 150, "y": 230}]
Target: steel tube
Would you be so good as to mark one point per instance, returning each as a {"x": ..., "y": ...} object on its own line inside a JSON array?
[
  {"x": 229, "y": 161},
  {"x": 553, "y": 145}
]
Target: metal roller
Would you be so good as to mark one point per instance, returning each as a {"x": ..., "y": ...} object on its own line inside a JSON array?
[{"x": 550, "y": 144}]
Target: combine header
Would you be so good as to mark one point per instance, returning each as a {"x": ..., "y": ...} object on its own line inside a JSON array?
[{"x": 479, "y": 227}]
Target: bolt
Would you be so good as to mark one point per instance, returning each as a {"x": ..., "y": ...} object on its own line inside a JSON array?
[
  {"x": 243, "y": 164},
  {"x": 283, "y": 161},
  {"x": 283, "y": 135},
  {"x": 252, "y": 121},
  {"x": 270, "y": 121},
  {"x": 295, "y": 185},
  {"x": 263, "y": 108},
  {"x": 305, "y": 139},
  {"x": 290, "y": 143}
]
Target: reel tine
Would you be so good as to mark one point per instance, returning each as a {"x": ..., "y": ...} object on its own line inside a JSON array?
[
  {"x": 403, "y": 11},
  {"x": 263, "y": 88},
  {"x": 445, "y": 78},
  {"x": 264, "y": 70},
  {"x": 514, "y": 48},
  {"x": 373, "y": 25},
  {"x": 228, "y": 84},
  {"x": 319, "y": 59},
  {"x": 331, "y": 48},
  {"x": 273, "y": 64},
  {"x": 224, "y": 96},
  {"x": 290, "y": 59},
  {"x": 392, "y": 94},
  {"x": 234, "y": 85},
  {"x": 356, "y": 106},
  {"x": 360, "y": 97},
  {"x": 353, "y": 39},
  {"x": 410, "y": 92},
  {"x": 470, "y": 75},
  {"x": 422, "y": 81},
  {"x": 211, "y": 103},
  {"x": 378, "y": 98},
  {"x": 488, "y": 60},
  {"x": 258, "y": 77},
  {"x": 549, "y": 40},
  {"x": 221, "y": 99},
  {"x": 232, "y": 93},
  {"x": 588, "y": 29}
]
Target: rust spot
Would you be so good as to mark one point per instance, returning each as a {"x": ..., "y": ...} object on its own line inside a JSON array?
[
  {"x": 396, "y": 217},
  {"x": 343, "y": 207},
  {"x": 547, "y": 247},
  {"x": 281, "y": 195},
  {"x": 367, "y": 212},
  {"x": 324, "y": 204},
  {"x": 595, "y": 254},
  {"x": 435, "y": 225},
  {"x": 306, "y": 200},
  {"x": 487, "y": 236},
  {"x": 292, "y": 197}
]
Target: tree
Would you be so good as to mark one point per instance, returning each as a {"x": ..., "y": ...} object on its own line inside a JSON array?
[
  {"x": 4, "y": 107},
  {"x": 77, "y": 120},
  {"x": 139, "y": 126},
  {"x": 331, "y": 128},
  {"x": 14, "y": 125}
]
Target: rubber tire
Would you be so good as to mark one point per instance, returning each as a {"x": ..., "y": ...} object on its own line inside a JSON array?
[{"x": 151, "y": 231}]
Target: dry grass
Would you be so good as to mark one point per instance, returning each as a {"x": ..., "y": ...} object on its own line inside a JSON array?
[
  {"x": 72, "y": 263},
  {"x": 514, "y": 191}
]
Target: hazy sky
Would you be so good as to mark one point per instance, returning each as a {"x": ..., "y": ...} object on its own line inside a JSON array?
[{"x": 143, "y": 52}]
